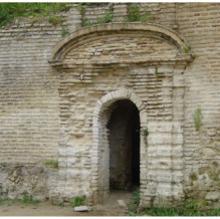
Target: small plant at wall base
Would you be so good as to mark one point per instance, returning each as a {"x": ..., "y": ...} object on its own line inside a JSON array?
[
  {"x": 25, "y": 199},
  {"x": 134, "y": 203},
  {"x": 7, "y": 201},
  {"x": 77, "y": 201},
  {"x": 28, "y": 199},
  {"x": 190, "y": 207},
  {"x": 197, "y": 119}
]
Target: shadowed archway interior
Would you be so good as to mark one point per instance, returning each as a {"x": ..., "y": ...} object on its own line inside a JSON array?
[{"x": 124, "y": 143}]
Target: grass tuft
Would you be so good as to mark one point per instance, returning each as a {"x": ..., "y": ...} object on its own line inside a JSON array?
[
  {"x": 189, "y": 208},
  {"x": 77, "y": 201},
  {"x": 28, "y": 199},
  {"x": 25, "y": 199},
  {"x": 134, "y": 203}
]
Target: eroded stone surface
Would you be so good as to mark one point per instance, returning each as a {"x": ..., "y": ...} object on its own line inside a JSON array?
[{"x": 48, "y": 113}]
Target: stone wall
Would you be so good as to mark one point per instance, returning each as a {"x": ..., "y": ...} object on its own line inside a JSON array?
[
  {"x": 33, "y": 95},
  {"x": 198, "y": 23},
  {"x": 101, "y": 65}
]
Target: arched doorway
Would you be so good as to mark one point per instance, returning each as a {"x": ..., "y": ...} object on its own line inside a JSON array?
[
  {"x": 124, "y": 149},
  {"x": 158, "y": 50},
  {"x": 101, "y": 152}
]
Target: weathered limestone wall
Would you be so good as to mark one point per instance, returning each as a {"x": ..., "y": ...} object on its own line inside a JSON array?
[
  {"x": 199, "y": 24},
  {"x": 110, "y": 61},
  {"x": 29, "y": 105},
  {"x": 30, "y": 95}
]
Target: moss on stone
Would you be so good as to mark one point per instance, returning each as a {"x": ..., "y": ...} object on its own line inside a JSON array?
[
  {"x": 197, "y": 119},
  {"x": 51, "y": 163},
  {"x": 134, "y": 14},
  {"x": 193, "y": 177}
]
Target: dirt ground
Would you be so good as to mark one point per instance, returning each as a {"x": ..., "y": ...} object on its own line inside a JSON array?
[
  {"x": 109, "y": 208},
  {"x": 46, "y": 209}
]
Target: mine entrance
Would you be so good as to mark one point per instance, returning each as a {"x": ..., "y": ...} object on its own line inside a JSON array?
[{"x": 124, "y": 144}]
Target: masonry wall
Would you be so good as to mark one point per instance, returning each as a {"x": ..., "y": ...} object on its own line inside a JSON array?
[
  {"x": 29, "y": 98},
  {"x": 29, "y": 105},
  {"x": 199, "y": 24}
]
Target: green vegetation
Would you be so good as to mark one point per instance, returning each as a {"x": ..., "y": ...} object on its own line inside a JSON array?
[
  {"x": 82, "y": 8},
  {"x": 187, "y": 49},
  {"x": 189, "y": 208},
  {"x": 10, "y": 11},
  {"x": 197, "y": 119},
  {"x": 86, "y": 23},
  {"x": 134, "y": 203},
  {"x": 134, "y": 14},
  {"x": 28, "y": 199},
  {"x": 55, "y": 20},
  {"x": 64, "y": 32},
  {"x": 25, "y": 199},
  {"x": 7, "y": 201},
  {"x": 51, "y": 164},
  {"x": 106, "y": 18},
  {"x": 77, "y": 201}
]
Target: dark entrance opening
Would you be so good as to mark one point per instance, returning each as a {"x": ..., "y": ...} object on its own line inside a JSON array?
[{"x": 124, "y": 142}]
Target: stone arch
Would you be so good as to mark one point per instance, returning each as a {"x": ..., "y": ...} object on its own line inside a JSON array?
[
  {"x": 64, "y": 46},
  {"x": 100, "y": 149}
]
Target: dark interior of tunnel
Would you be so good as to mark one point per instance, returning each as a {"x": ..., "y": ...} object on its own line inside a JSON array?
[{"x": 124, "y": 143}]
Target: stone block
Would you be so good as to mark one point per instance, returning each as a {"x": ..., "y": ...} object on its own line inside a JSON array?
[{"x": 213, "y": 196}]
